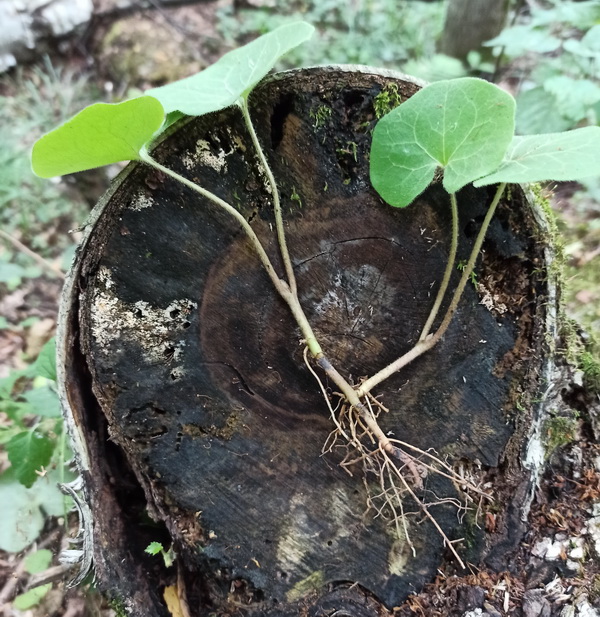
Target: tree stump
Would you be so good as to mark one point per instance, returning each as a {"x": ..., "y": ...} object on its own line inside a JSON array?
[{"x": 194, "y": 416}]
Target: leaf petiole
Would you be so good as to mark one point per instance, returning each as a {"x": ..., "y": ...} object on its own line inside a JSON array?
[
  {"x": 447, "y": 273},
  {"x": 283, "y": 248},
  {"x": 430, "y": 341}
]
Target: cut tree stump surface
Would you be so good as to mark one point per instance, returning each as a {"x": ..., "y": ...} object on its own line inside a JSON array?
[{"x": 197, "y": 376}]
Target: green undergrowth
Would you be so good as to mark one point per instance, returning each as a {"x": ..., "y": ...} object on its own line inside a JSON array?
[
  {"x": 379, "y": 32},
  {"x": 34, "y": 212},
  {"x": 35, "y": 445}
]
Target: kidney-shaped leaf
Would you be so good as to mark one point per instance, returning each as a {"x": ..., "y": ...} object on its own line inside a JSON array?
[
  {"x": 98, "y": 135},
  {"x": 234, "y": 75},
  {"x": 462, "y": 125},
  {"x": 572, "y": 155}
]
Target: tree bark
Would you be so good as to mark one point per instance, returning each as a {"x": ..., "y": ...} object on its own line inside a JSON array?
[
  {"x": 194, "y": 417},
  {"x": 469, "y": 24}
]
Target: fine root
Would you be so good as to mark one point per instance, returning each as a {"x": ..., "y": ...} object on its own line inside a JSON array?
[{"x": 398, "y": 468}]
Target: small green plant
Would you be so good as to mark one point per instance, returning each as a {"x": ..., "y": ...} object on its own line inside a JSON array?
[
  {"x": 35, "y": 442},
  {"x": 462, "y": 128},
  {"x": 156, "y": 548}
]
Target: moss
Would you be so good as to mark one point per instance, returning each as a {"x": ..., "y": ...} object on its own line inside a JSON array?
[
  {"x": 559, "y": 432},
  {"x": 552, "y": 235},
  {"x": 350, "y": 149},
  {"x": 590, "y": 366},
  {"x": 118, "y": 606},
  {"x": 569, "y": 333},
  {"x": 320, "y": 116},
  {"x": 386, "y": 100},
  {"x": 313, "y": 582}
]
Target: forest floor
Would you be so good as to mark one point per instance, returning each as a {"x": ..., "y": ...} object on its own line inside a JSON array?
[{"x": 120, "y": 57}]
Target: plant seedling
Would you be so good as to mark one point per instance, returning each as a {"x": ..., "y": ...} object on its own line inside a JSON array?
[{"x": 463, "y": 127}]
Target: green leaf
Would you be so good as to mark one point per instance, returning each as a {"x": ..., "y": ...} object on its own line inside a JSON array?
[
  {"x": 435, "y": 68},
  {"x": 588, "y": 46},
  {"x": 573, "y": 96},
  {"x": 45, "y": 365},
  {"x": 22, "y": 518},
  {"x": 555, "y": 156},
  {"x": 47, "y": 494},
  {"x": 537, "y": 112},
  {"x": 518, "y": 40},
  {"x": 578, "y": 14},
  {"x": 233, "y": 76},
  {"x": 31, "y": 598},
  {"x": 43, "y": 401},
  {"x": 462, "y": 125},
  {"x": 38, "y": 561},
  {"x": 98, "y": 135},
  {"x": 154, "y": 548},
  {"x": 29, "y": 451}
]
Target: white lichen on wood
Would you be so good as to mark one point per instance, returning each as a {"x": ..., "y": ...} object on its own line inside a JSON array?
[
  {"x": 156, "y": 330},
  {"x": 204, "y": 155},
  {"x": 141, "y": 201}
]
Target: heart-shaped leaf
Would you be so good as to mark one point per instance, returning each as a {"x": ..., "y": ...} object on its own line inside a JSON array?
[
  {"x": 572, "y": 155},
  {"x": 98, "y": 135},
  {"x": 234, "y": 75},
  {"x": 463, "y": 126}
]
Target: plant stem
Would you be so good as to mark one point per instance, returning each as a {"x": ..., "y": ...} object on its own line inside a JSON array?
[
  {"x": 466, "y": 275},
  {"x": 282, "y": 288},
  {"x": 424, "y": 345},
  {"x": 353, "y": 399},
  {"x": 447, "y": 273},
  {"x": 280, "y": 285},
  {"x": 283, "y": 248}
]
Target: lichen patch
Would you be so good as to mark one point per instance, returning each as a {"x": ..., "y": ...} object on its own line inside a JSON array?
[
  {"x": 158, "y": 331},
  {"x": 491, "y": 301},
  {"x": 204, "y": 155},
  {"x": 140, "y": 202}
]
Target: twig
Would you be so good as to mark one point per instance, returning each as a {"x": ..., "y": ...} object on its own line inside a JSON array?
[
  {"x": 8, "y": 591},
  {"x": 51, "y": 575},
  {"x": 44, "y": 263}
]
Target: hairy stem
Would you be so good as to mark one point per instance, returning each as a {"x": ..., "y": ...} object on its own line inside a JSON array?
[
  {"x": 280, "y": 285},
  {"x": 424, "y": 345},
  {"x": 448, "y": 271},
  {"x": 353, "y": 399},
  {"x": 282, "y": 288},
  {"x": 466, "y": 275},
  {"x": 283, "y": 248}
]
